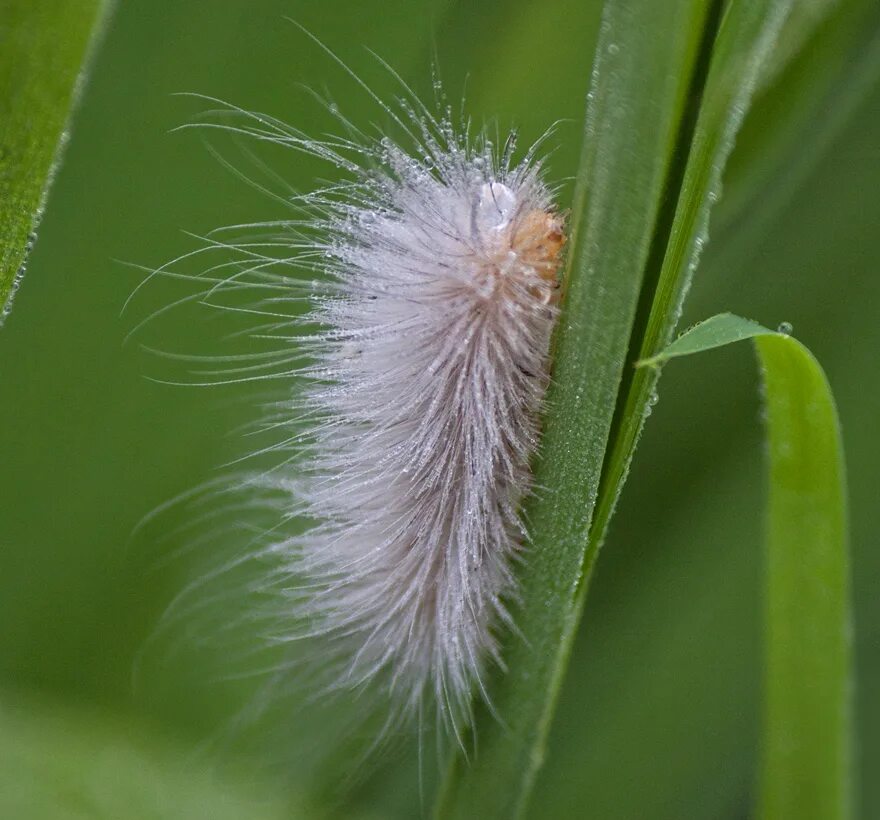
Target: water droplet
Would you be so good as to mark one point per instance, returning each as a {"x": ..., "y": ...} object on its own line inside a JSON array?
[
  {"x": 497, "y": 204},
  {"x": 785, "y": 328}
]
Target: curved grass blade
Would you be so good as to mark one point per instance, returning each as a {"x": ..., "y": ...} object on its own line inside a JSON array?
[
  {"x": 807, "y": 732},
  {"x": 43, "y": 46},
  {"x": 720, "y": 330},
  {"x": 642, "y": 80}
]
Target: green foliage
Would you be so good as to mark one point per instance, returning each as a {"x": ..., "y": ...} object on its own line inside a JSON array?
[
  {"x": 807, "y": 736},
  {"x": 43, "y": 44}
]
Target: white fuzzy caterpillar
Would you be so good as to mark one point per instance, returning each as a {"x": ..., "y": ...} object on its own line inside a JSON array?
[
  {"x": 435, "y": 307},
  {"x": 430, "y": 376}
]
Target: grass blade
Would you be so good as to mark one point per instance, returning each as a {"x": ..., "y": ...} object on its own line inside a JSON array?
[
  {"x": 720, "y": 330},
  {"x": 745, "y": 40},
  {"x": 641, "y": 82},
  {"x": 43, "y": 45},
  {"x": 807, "y": 733},
  {"x": 807, "y": 730}
]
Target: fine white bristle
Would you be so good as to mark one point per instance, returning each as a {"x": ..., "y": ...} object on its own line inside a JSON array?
[{"x": 426, "y": 362}]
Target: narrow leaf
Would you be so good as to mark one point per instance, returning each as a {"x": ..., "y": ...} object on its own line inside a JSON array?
[
  {"x": 745, "y": 40},
  {"x": 807, "y": 733},
  {"x": 808, "y": 722},
  {"x": 641, "y": 83},
  {"x": 43, "y": 45},
  {"x": 717, "y": 331}
]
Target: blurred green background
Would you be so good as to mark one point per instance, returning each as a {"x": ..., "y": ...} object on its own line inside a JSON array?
[{"x": 659, "y": 713}]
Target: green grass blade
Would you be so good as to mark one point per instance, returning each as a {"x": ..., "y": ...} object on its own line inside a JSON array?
[
  {"x": 43, "y": 46},
  {"x": 720, "y": 330},
  {"x": 744, "y": 43},
  {"x": 640, "y": 85},
  {"x": 808, "y": 724},
  {"x": 807, "y": 733}
]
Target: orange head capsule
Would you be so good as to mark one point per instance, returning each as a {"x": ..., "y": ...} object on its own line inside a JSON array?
[{"x": 538, "y": 242}]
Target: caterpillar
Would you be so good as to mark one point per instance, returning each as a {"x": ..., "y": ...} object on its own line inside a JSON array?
[
  {"x": 429, "y": 379},
  {"x": 415, "y": 412}
]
